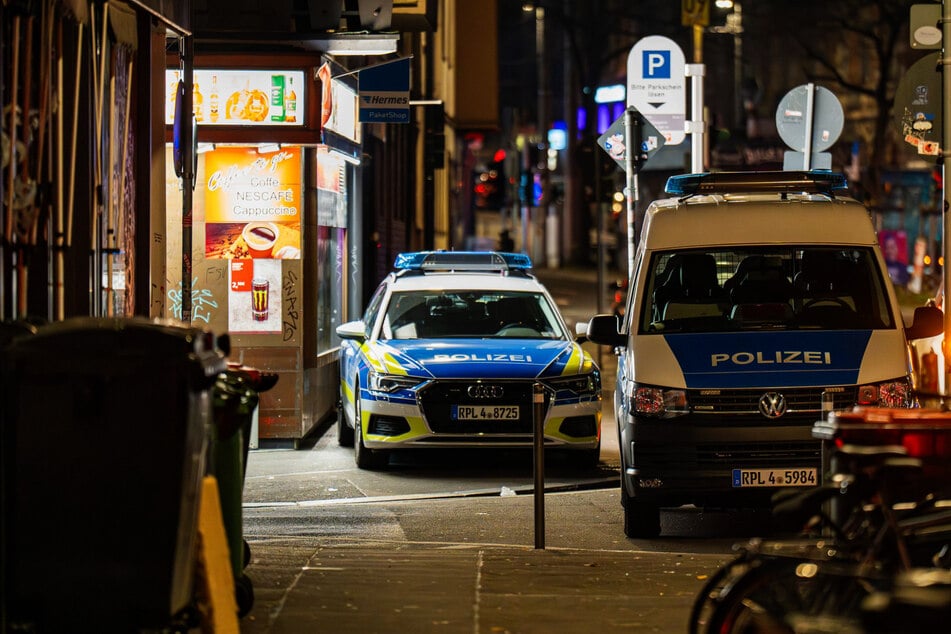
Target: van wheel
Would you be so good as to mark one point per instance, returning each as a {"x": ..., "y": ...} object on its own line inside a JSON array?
[{"x": 641, "y": 519}]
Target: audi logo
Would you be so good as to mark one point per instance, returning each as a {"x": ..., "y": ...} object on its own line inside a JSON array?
[
  {"x": 772, "y": 405},
  {"x": 481, "y": 390}
]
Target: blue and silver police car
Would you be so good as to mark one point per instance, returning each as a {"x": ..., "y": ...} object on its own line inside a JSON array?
[{"x": 448, "y": 354}]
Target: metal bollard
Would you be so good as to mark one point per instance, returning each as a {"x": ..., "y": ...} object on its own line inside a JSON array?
[{"x": 539, "y": 451}]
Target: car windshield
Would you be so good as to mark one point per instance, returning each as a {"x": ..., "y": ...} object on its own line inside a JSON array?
[
  {"x": 794, "y": 287},
  {"x": 437, "y": 314}
]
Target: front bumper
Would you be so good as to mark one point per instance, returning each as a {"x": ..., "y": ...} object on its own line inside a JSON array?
[
  {"x": 570, "y": 421},
  {"x": 689, "y": 461}
]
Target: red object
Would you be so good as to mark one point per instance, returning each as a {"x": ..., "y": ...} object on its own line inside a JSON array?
[{"x": 924, "y": 433}]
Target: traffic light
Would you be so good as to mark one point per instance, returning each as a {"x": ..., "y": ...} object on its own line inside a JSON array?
[
  {"x": 488, "y": 186},
  {"x": 434, "y": 139},
  {"x": 496, "y": 181}
]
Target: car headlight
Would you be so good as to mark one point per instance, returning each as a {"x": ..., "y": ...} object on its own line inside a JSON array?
[
  {"x": 389, "y": 383},
  {"x": 580, "y": 384},
  {"x": 659, "y": 402},
  {"x": 887, "y": 394}
]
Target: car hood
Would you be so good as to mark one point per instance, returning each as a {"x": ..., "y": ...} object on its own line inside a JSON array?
[{"x": 480, "y": 358}]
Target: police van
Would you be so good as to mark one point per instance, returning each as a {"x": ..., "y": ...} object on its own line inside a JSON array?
[{"x": 756, "y": 301}]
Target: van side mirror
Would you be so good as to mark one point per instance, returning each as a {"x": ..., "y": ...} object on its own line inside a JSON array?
[
  {"x": 927, "y": 322},
  {"x": 581, "y": 332},
  {"x": 604, "y": 330}
]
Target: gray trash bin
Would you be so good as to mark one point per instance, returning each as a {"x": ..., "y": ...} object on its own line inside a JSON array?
[{"x": 105, "y": 431}]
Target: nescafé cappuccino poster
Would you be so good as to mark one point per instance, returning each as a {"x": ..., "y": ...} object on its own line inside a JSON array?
[{"x": 253, "y": 203}]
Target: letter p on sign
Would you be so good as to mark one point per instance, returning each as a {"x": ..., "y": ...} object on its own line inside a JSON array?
[{"x": 656, "y": 64}]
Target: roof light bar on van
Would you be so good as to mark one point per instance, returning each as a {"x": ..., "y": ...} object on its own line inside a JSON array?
[
  {"x": 462, "y": 261},
  {"x": 806, "y": 182}
]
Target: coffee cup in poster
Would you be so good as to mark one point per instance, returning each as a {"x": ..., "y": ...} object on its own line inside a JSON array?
[
  {"x": 260, "y": 238},
  {"x": 259, "y": 299}
]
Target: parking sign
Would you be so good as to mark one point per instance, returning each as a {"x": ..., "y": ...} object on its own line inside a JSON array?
[
  {"x": 657, "y": 85},
  {"x": 656, "y": 64}
]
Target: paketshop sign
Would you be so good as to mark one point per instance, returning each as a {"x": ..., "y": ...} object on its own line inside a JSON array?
[{"x": 657, "y": 85}]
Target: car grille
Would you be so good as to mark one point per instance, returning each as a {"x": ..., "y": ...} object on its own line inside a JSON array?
[
  {"x": 798, "y": 400},
  {"x": 436, "y": 401}
]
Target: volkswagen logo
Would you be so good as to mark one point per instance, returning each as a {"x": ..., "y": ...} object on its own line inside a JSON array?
[
  {"x": 772, "y": 405},
  {"x": 480, "y": 390}
]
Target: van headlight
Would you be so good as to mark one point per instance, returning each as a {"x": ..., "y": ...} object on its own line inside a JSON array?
[
  {"x": 389, "y": 383},
  {"x": 896, "y": 393},
  {"x": 659, "y": 402}
]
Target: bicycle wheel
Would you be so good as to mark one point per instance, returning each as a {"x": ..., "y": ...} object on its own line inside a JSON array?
[
  {"x": 779, "y": 595},
  {"x": 706, "y": 600}
]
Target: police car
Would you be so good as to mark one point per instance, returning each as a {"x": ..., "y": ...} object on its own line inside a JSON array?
[{"x": 448, "y": 354}]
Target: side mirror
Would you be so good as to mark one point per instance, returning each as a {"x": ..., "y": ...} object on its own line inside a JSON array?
[
  {"x": 581, "y": 332},
  {"x": 927, "y": 322},
  {"x": 604, "y": 330},
  {"x": 355, "y": 330}
]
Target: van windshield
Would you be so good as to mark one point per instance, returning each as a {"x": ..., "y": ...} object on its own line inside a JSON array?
[{"x": 787, "y": 287}]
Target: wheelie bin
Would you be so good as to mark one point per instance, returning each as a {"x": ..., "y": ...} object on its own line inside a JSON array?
[
  {"x": 9, "y": 330},
  {"x": 235, "y": 398},
  {"x": 108, "y": 422}
]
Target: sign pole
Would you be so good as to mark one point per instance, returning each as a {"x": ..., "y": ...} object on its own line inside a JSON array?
[
  {"x": 633, "y": 144},
  {"x": 695, "y": 126},
  {"x": 810, "y": 103}
]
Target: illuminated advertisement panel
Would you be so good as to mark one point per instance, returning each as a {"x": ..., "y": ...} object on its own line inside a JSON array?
[
  {"x": 252, "y": 200},
  {"x": 253, "y": 203},
  {"x": 241, "y": 97}
]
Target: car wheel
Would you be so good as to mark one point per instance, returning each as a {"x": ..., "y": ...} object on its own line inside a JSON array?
[
  {"x": 344, "y": 430},
  {"x": 589, "y": 458},
  {"x": 641, "y": 519},
  {"x": 365, "y": 458}
]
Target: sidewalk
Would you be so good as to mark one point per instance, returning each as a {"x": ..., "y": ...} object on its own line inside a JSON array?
[{"x": 340, "y": 585}]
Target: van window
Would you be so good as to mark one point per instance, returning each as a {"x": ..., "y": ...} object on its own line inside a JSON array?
[{"x": 764, "y": 287}]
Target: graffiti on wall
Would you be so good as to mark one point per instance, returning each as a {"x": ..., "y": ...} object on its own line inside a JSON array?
[{"x": 203, "y": 302}]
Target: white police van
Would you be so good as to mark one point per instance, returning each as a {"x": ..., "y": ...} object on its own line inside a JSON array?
[{"x": 755, "y": 297}]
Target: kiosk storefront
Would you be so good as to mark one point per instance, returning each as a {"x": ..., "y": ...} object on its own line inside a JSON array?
[{"x": 268, "y": 235}]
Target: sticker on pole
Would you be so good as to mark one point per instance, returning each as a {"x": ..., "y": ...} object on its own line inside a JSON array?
[
  {"x": 613, "y": 141},
  {"x": 918, "y": 107}
]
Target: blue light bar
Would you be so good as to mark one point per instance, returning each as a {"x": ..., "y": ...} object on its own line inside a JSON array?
[
  {"x": 462, "y": 261},
  {"x": 813, "y": 182}
]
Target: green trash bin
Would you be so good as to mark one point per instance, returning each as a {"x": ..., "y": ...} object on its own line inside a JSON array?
[
  {"x": 105, "y": 431},
  {"x": 235, "y": 400}
]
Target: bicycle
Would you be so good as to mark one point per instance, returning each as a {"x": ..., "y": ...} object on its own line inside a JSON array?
[{"x": 824, "y": 577}]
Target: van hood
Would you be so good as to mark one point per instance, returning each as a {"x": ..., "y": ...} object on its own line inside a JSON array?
[{"x": 790, "y": 358}]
